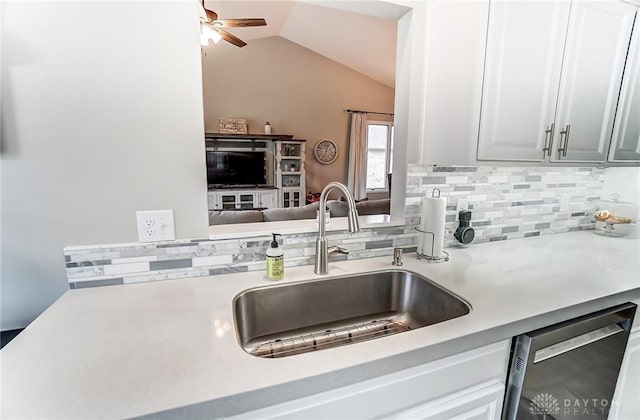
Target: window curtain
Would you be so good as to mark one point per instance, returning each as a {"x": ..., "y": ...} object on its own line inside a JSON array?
[{"x": 357, "y": 181}]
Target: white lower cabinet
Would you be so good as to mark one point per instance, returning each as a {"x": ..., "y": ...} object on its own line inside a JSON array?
[
  {"x": 626, "y": 400},
  {"x": 480, "y": 402},
  {"x": 468, "y": 385}
]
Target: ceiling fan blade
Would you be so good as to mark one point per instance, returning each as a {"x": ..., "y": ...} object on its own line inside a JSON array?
[
  {"x": 240, "y": 23},
  {"x": 211, "y": 15},
  {"x": 230, "y": 38},
  {"x": 202, "y": 12}
]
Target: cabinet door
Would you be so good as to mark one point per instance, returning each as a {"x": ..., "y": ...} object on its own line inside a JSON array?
[
  {"x": 228, "y": 201},
  {"x": 296, "y": 199},
  {"x": 245, "y": 200},
  {"x": 483, "y": 402},
  {"x": 265, "y": 199},
  {"x": 626, "y": 400},
  {"x": 595, "y": 53},
  {"x": 523, "y": 60},
  {"x": 625, "y": 145},
  {"x": 292, "y": 197},
  {"x": 469, "y": 385},
  {"x": 213, "y": 201}
]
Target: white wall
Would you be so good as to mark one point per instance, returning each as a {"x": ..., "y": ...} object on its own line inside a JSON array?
[
  {"x": 101, "y": 116},
  {"x": 1, "y": 19},
  {"x": 408, "y": 106}
]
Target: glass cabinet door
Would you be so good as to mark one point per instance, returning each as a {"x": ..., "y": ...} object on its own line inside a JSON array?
[
  {"x": 291, "y": 150},
  {"x": 246, "y": 201},
  {"x": 228, "y": 201}
]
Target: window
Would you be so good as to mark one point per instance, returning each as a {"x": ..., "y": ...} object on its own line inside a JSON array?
[{"x": 379, "y": 154}]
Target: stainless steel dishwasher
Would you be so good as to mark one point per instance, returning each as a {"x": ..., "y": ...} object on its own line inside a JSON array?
[{"x": 568, "y": 370}]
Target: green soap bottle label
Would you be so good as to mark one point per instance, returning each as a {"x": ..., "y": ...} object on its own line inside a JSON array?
[{"x": 275, "y": 267}]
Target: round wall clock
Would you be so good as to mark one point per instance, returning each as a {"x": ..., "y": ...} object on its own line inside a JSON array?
[{"x": 326, "y": 151}]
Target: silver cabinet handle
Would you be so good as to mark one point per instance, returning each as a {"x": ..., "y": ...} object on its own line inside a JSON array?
[
  {"x": 548, "y": 140},
  {"x": 576, "y": 342},
  {"x": 562, "y": 151}
]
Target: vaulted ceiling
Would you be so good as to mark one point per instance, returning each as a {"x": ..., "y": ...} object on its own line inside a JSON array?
[{"x": 358, "y": 34}]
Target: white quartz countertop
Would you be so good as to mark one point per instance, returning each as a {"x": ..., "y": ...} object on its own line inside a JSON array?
[{"x": 170, "y": 346}]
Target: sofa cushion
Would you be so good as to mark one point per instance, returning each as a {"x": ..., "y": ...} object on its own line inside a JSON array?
[
  {"x": 366, "y": 207},
  {"x": 291, "y": 213},
  {"x": 338, "y": 208},
  {"x": 225, "y": 217},
  {"x": 373, "y": 207}
]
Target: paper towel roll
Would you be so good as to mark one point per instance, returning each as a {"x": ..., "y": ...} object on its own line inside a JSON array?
[{"x": 432, "y": 217}]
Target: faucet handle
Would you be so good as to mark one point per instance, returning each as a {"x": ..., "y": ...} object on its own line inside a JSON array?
[
  {"x": 397, "y": 256},
  {"x": 338, "y": 250}
]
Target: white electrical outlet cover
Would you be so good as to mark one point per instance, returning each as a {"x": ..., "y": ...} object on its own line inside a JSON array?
[{"x": 155, "y": 225}]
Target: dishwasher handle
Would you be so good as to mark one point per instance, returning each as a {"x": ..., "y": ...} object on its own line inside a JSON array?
[{"x": 576, "y": 342}]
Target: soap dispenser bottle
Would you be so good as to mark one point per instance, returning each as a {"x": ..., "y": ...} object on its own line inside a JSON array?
[{"x": 275, "y": 260}]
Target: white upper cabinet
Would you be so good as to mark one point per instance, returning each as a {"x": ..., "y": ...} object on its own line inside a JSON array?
[
  {"x": 525, "y": 43},
  {"x": 594, "y": 59},
  {"x": 625, "y": 144},
  {"x": 552, "y": 77}
]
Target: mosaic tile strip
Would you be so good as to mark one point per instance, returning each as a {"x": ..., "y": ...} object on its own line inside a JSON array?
[
  {"x": 509, "y": 202},
  {"x": 137, "y": 262}
]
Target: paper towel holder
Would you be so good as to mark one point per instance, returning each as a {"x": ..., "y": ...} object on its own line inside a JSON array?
[
  {"x": 444, "y": 256},
  {"x": 431, "y": 258}
]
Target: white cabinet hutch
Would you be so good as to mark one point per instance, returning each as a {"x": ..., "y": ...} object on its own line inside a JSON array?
[{"x": 290, "y": 172}]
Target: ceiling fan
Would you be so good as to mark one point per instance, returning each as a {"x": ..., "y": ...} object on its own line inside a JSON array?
[{"x": 211, "y": 27}]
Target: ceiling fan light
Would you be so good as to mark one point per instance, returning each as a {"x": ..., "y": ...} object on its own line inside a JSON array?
[
  {"x": 206, "y": 31},
  {"x": 215, "y": 37},
  {"x": 204, "y": 41}
]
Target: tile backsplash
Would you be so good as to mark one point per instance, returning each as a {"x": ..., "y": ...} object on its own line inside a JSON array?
[
  {"x": 106, "y": 265},
  {"x": 507, "y": 203}
]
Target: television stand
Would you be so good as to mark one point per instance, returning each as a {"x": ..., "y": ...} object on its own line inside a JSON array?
[
  {"x": 284, "y": 166},
  {"x": 242, "y": 198}
]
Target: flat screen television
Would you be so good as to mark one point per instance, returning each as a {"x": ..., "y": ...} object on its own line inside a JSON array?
[{"x": 228, "y": 169}]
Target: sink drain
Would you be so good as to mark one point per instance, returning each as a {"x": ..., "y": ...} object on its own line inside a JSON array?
[{"x": 329, "y": 338}]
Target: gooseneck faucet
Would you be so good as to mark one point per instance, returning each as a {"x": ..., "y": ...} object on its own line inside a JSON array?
[{"x": 322, "y": 250}]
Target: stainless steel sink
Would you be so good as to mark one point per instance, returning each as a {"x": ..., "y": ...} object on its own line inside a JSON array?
[{"x": 287, "y": 319}]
